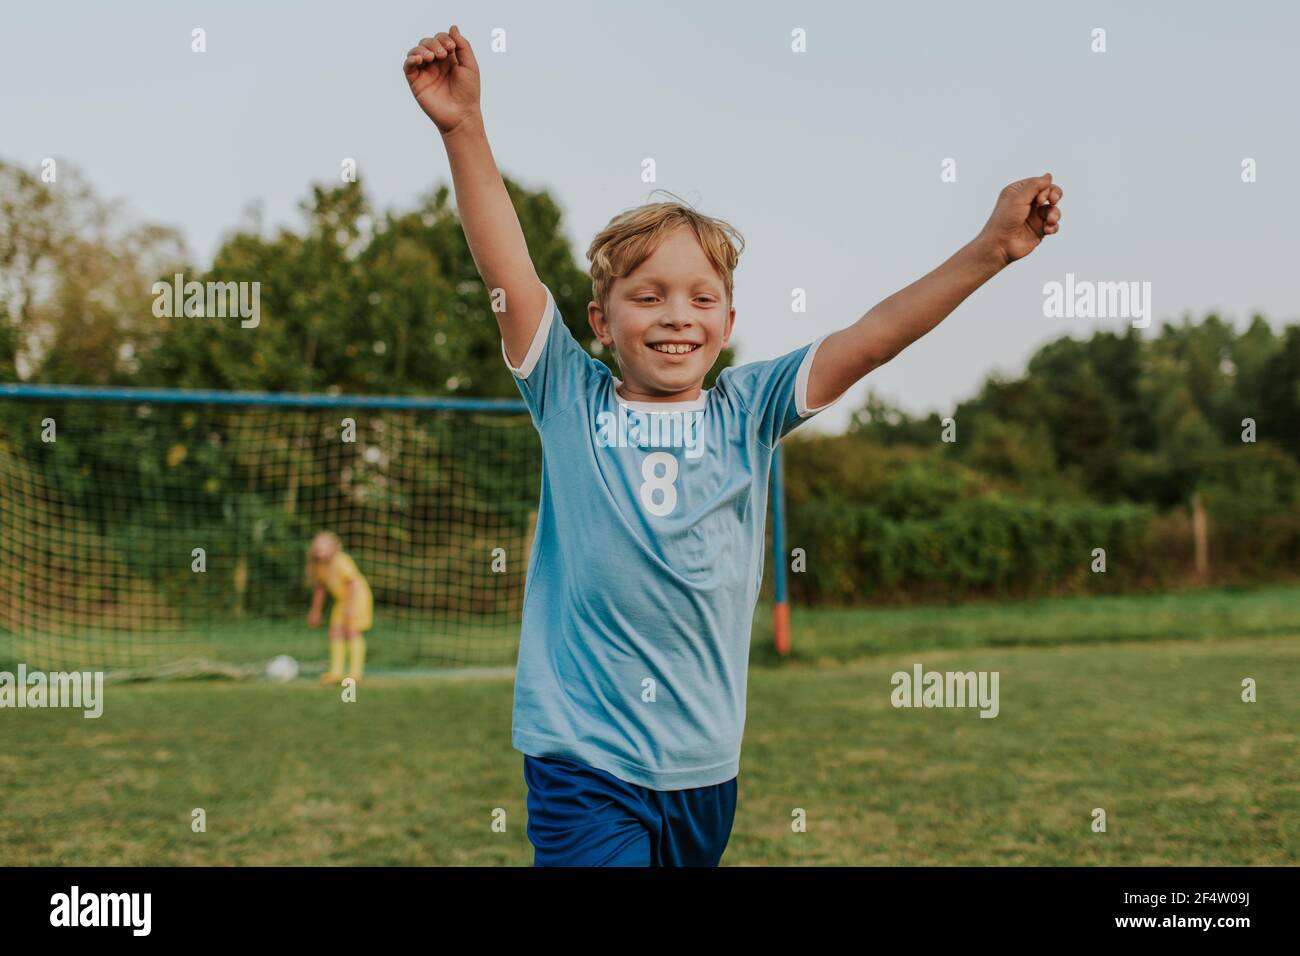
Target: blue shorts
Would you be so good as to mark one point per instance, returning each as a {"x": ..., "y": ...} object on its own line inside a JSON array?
[{"x": 581, "y": 816}]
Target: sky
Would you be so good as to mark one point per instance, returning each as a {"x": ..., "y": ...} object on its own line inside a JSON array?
[{"x": 828, "y": 161}]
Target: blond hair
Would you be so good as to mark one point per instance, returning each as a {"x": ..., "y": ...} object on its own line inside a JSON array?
[
  {"x": 632, "y": 237},
  {"x": 313, "y": 570}
]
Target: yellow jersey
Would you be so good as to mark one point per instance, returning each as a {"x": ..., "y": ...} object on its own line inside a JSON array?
[{"x": 338, "y": 572}]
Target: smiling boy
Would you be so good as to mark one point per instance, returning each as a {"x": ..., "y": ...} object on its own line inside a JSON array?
[{"x": 646, "y": 563}]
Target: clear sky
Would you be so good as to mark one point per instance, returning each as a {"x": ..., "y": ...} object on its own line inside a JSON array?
[{"x": 827, "y": 161}]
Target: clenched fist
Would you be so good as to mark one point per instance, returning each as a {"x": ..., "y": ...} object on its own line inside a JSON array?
[
  {"x": 443, "y": 75},
  {"x": 1025, "y": 213}
]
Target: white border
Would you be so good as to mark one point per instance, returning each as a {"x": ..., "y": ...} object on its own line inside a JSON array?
[
  {"x": 694, "y": 405},
  {"x": 801, "y": 384},
  {"x": 538, "y": 343}
]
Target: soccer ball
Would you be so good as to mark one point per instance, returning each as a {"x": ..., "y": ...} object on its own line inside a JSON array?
[{"x": 283, "y": 668}]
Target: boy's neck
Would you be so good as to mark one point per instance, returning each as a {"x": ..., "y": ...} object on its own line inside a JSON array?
[{"x": 623, "y": 391}]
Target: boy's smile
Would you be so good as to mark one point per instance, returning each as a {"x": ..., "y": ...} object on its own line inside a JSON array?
[{"x": 668, "y": 320}]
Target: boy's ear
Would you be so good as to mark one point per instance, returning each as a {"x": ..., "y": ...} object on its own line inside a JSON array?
[
  {"x": 731, "y": 323},
  {"x": 599, "y": 324}
]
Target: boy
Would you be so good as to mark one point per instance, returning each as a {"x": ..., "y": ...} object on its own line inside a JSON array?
[{"x": 630, "y": 687}]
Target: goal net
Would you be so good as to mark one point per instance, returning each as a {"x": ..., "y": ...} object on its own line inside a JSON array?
[{"x": 141, "y": 528}]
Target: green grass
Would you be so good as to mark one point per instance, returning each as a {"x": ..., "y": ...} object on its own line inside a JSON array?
[
  {"x": 1192, "y": 615},
  {"x": 394, "y": 644},
  {"x": 397, "y": 644},
  {"x": 1150, "y": 728}
]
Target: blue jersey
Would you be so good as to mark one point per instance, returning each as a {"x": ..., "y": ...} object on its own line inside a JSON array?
[{"x": 646, "y": 562}]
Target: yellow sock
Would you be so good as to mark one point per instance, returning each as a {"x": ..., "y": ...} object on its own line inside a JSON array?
[
  {"x": 337, "y": 650},
  {"x": 358, "y": 647}
]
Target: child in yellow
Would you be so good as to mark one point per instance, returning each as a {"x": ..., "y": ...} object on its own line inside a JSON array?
[{"x": 330, "y": 568}]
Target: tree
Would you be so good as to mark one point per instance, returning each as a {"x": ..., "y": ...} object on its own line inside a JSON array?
[
  {"x": 74, "y": 281},
  {"x": 364, "y": 304}
]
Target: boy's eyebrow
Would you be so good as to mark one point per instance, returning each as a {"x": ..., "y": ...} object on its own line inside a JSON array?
[{"x": 660, "y": 283}]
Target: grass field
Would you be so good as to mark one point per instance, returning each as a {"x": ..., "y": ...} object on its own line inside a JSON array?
[
  {"x": 397, "y": 645},
  {"x": 1128, "y": 704}
]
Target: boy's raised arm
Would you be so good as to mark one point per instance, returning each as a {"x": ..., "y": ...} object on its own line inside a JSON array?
[
  {"x": 444, "y": 78},
  {"x": 1026, "y": 211}
]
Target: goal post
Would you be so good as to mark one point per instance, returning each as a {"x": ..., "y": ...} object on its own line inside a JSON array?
[{"x": 780, "y": 597}]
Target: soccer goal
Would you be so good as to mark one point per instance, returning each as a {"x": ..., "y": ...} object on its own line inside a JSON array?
[{"x": 147, "y": 529}]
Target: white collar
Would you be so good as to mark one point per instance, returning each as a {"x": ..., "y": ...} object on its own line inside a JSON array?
[{"x": 694, "y": 405}]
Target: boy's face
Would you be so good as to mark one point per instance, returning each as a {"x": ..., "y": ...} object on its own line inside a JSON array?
[{"x": 667, "y": 321}]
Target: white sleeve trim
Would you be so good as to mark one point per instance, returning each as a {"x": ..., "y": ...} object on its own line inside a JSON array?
[
  {"x": 801, "y": 384},
  {"x": 539, "y": 341}
]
